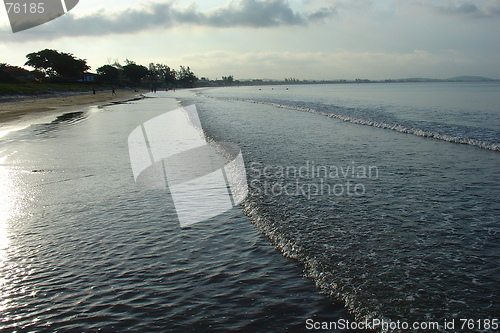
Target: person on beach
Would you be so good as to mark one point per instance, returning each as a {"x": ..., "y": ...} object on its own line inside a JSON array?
[
  {"x": 93, "y": 91},
  {"x": 113, "y": 91}
]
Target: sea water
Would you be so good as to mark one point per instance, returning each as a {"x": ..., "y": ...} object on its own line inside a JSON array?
[
  {"x": 385, "y": 196},
  {"x": 84, "y": 249},
  {"x": 387, "y": 193}
]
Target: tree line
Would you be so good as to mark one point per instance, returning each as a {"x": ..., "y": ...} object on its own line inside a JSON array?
[{"x": 55, "y": 66}]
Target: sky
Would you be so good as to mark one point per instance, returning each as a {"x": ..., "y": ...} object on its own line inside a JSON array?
[{"x": 276, "y": 39}]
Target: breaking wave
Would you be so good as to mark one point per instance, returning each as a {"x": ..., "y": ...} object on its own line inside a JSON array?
[{"x": 478, "y": 137}]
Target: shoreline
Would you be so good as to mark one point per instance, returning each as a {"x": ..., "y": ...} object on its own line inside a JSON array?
[{"x": 25, "y": 109}]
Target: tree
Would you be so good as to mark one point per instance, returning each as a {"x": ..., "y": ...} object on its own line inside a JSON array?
[
  {"x": 186, "y": 77},
  {"x": 163, "y": 73},
  {"x": 135, "y": 73},
  {"x": 169, "y": 75},
  {"x": 57, "y": 64},
  {"x": 6, "y": 77},
  {"x": 108, "y": 73},
  {"x": 228, "y": 80},
  {"x": 13, "y": 74}
]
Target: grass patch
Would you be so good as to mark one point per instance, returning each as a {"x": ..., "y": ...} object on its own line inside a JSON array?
[{"x": 41, "y": 88}]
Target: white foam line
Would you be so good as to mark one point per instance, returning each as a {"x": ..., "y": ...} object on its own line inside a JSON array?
[{"x": 395, "y": 127}]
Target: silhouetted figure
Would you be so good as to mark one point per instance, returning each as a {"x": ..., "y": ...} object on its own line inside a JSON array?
[
  {"x": 93, "y": 91},
  {"x": 113, "y": 91}
]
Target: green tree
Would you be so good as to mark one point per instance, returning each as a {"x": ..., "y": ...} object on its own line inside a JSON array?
[
  {"x": 162, "y": 73},
  {"x": 228, "y": 80},
  {"x": 186, "y": 77},
  {"x": 169, "y": 75},
  {"x": 135, "y": 73},
  {"x": 108, "y": 74},
  {"x": 6, "y": 77},
  {"x": 15, "y": 74},
  {"x": 57, "y": 64}
]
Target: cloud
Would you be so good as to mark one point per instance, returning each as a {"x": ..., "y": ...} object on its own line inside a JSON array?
[
  {"x": 244, "y": 13},
  {"x": 483, "y": 9},
  {"x": 322, "y": 13},
  {"x": 252, "y": 13},
  {"x": 328, "y": 65}
]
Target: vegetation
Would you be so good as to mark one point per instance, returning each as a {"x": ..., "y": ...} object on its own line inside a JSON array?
[
  {"x": 34, "y": 88},
  {"x": 59, "y": 71},
  {"x": 228, "y": 80},
  {"x": 108, "y": 74},
  {"x": 57, "y": 64},
  {"x": 134, "y": 73},
  {"x": 5, "y": 76},
  {"x": 186, "y": 77},
  {"x": 160, "y": 74}
]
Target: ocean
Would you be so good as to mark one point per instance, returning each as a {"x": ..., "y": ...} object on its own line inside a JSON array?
[{"x": 366, "y": 203}]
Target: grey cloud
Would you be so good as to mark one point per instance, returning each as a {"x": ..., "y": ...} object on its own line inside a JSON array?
[
  {"x": 469, "y": 9},
  {"x": 253, "y": 13},
  {"x": 321, "y": 14},
  {"x": 245, "y": 13}
]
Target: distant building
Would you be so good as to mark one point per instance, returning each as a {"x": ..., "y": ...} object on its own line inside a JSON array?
[{"x": 88, "y": 77}]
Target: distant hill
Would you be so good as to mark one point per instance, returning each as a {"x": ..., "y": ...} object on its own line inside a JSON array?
[{"x": 471, "y": 79}]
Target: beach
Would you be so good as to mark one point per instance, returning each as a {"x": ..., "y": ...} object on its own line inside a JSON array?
[
  {"x": 21, "y": 108},
  {"x": 384, "y": 215},
  {"x": 110, "y": 244}
]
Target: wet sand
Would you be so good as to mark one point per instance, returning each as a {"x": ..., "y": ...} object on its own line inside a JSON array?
[{"x": 14, "y": 110}]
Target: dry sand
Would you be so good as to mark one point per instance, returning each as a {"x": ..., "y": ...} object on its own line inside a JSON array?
[{"x": 15, "y": 110}]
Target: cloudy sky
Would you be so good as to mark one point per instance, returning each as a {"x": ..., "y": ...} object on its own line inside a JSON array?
[{"x": 305, "y": 39}]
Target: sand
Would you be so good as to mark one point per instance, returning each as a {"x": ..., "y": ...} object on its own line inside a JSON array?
[{"x": 29, "y": 108}]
